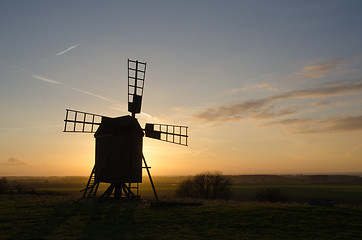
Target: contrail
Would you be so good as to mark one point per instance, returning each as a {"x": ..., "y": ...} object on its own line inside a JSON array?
[
  {"x": 14, "y": 67},
  {"x": 68, "y": 49},
  {"x": 46, "y": 79},
  {"x": 91, "y": 94}
]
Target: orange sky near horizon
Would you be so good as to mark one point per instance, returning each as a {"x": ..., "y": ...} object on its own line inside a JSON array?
[{"x": 264, "y": 87}]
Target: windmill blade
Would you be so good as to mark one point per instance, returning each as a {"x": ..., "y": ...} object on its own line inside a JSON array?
[
  {"x": 77, "y": 121},
  {"x": 169, "y": 133},
  {"x": 136, "y": 79}
]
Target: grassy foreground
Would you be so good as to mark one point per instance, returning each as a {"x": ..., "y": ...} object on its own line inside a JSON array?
[{"x": 60, "y": 217}]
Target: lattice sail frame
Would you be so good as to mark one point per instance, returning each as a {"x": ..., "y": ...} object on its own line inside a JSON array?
[
  {"x": 77, "y": 121},
  {"x": 168, "y": 133},
  {"x": 136, "y": 80}
]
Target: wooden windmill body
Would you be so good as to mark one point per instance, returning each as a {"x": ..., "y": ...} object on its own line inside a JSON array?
[{"x": 119, "y": 158}]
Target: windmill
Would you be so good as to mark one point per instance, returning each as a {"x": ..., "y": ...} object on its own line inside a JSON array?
[{"x": 119, "y": 158}]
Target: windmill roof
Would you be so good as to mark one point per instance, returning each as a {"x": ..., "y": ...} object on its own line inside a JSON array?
[{"x": 118, "y": 126}]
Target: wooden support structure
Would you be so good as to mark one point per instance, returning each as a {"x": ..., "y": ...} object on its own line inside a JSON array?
[
  {"x": 119, "y": 190},
  {"x": 149, "y": 175}
]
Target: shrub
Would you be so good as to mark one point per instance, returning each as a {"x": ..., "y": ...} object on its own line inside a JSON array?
[
  {"x": 269, "y": 194},
  {"x": 208, "y": 185},
  {"x": 4, "y": 185}
]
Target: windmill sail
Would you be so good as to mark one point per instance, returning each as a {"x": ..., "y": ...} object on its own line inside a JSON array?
[
  {"x": 77, "y": 121},
  {"x": 168, "y": 133},
  {"x": 136, "y": 79}
]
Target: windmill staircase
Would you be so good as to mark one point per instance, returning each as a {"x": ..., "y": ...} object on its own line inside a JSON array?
[{"x": 92, "y": 186}]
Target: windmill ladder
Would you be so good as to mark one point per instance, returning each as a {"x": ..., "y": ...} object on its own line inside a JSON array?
[{"x": 92, "y": 186}]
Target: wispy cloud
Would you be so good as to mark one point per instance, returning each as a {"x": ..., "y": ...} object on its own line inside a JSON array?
[
  {"x": 14, "y": 67},
  {"x": 122, "y": 108},
  {"x": 354, "y": 150},
  {"x": 267, "y": 112},
  {"x": 262, "y": 86},
  {"x": 320, "y": 70},
  {"x": 91, "y": 94},
  {"x": 10, "y": 129},
  {"x": 321, "y": 103},
  {"x": 48, "y": 80},
  {"x": 350, "y": 123},
  {"x": 12, "y": 162},
  {"x": 68, "y": 49},
  {"x": 262, "y": 107},
  {"x": 291, "y": 121},
  {"x": 44, "y": 79},
  {"x": 327, "y": 125}
]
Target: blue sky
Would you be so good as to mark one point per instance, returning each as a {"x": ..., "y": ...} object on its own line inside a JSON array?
[{"x": 265, "y": 86}]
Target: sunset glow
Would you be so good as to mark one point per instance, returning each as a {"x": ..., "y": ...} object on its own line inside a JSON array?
[{"x": 265, "y": 87}]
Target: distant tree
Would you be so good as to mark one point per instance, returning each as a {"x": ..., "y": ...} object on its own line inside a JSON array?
[
  {"x": 208, "y": 185},
  {"x": 4, "y": 185}
]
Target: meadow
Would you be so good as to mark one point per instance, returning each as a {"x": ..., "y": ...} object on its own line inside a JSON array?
[
  {"x": 63, "y": 216},
  {"x": 295, "y": 188}
]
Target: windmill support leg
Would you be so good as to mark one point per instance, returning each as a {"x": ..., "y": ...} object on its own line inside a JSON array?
[
  {"x": 127, "y": 190},
  {"x": 117, "y": 191},
  {"x": 108, "y": 192},
  {"x": 149, "y": 175}
]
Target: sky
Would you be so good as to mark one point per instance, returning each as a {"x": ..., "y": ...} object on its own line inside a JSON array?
[{"x": 265, "y": 87}]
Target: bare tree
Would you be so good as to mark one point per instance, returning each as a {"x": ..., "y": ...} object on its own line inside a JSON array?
[{"x": 208, "y": 185}]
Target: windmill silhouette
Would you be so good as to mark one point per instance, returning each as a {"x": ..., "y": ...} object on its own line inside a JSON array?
[{"x": 119, "y": 158}]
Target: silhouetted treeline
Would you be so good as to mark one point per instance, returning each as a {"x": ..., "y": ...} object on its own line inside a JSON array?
[
  {"x": 19, "y": 187},
  {"x": 296, "y": 179},
  {"x": 21, "y": 183}
]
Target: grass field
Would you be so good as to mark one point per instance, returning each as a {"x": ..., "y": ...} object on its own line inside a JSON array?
[
  {"x": 340, "y": 189},
  {"x": 59, "y": 217},
  {"x": 62, "y": 216},
  {"x": 293, "y": 193}
]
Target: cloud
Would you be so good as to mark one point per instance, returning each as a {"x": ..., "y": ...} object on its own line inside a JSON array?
[
  {"x": 350, "y": 123},
  {"x": 261, "y": 107},
  {"x": 48, "y": 80},
  {"x": 123, "y": 108},
  {"x": 266, "y": 113},
  {"x": 266, "y": 86},
  {"x": 328, "y": 125},
  {"x": 321, "y": 103},
  {"x": 320, "y": 70},
  {"x": 44, "y": 79},
  {"x": 14, "y": 67},
  {"x": 12, "y": 162},
  {"x": 354, "y": 150},
  {"x": 291, "y": 121},
  {"x": 10, "y": 129},
  {"x": 330, "y": 89},
  {"x": 75, "y": 89},
  {"x": 68, "y": 49},
  {"x": 91, "y": 94}
]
